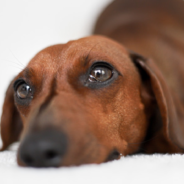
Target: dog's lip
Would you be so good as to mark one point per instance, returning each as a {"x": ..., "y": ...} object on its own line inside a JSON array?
[{"x": 113, "y": 155}]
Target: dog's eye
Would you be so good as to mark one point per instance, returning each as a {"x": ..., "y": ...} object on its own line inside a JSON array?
[
  {"x": 24, "y": 91},
  {"x": 100, "y": 74}
]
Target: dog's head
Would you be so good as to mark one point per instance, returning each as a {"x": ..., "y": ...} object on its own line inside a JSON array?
[{"x": 87, "y": 101}]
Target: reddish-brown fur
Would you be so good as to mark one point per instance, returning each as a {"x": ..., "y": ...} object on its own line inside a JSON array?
[{"x": 142, "y": 110}]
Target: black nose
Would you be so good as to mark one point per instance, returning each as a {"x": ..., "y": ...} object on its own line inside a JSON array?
[{"x": 43, "y": 149}]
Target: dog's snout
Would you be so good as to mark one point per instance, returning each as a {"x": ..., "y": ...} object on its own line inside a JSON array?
[{"x": 43, "y": 149}]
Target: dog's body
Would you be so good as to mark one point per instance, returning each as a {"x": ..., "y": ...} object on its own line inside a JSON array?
[
  {"x": 153, "y": 29},
  {"x": 91, "y": 100}
]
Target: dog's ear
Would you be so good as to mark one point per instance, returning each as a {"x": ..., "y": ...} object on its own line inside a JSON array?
[
  {"x": 164, "y": 109},
  {"x": 11, "y": 124}
]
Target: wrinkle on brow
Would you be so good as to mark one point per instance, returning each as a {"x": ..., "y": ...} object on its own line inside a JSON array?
[
  {"x": 50, "y": 96},
  {"x": 87, "y": 60},
  {"x": 28, "y": 73}
]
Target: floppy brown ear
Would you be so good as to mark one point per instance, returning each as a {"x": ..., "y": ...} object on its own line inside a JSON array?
[
  {"x": 11, "y": 124},
  {"x": 165, "y": 120}
]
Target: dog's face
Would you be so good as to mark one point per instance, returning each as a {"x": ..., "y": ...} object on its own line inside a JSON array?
[{"x": 79, "y": 103}]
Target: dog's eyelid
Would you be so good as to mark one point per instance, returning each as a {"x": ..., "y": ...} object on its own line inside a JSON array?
[
  {"x": 18, "y": 82},
  {"x": 101, "y": 63}
]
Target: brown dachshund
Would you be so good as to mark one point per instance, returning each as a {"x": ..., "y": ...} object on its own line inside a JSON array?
[{"x": 93, "y": 100}]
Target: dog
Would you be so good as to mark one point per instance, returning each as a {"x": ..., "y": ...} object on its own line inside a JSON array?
[{"x": 115, "y": 93}]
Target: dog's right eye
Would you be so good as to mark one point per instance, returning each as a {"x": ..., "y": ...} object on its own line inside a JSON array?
[{"x": 23, "y": 90}]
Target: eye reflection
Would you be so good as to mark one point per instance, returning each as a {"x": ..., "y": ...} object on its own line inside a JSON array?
[
  {"x": 24, "y": 91},
  {"x": 100, "y": 74}
]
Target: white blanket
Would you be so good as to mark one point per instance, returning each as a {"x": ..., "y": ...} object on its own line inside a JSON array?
[{"x": 143, "y": 169}]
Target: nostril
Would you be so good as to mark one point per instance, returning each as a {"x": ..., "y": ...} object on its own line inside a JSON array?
[
  {"x": 43, "y": 149},
  {"x": 51, "y": 154},
  {"x": 28, "y": 159}
]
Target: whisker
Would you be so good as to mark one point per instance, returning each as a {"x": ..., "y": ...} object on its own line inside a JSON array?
[
  {"x": 17, "y": 67},
  {"x": 87, "y": 57},
  {"x": 17, "y": 64},
  {"x": 17, "y": 58}
]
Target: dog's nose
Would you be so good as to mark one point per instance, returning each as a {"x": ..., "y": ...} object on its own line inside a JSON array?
[{"x": 43, "y": 149}]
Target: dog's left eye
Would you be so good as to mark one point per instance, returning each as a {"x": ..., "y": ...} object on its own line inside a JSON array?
[
  {"x": 24, "y": 91},
  {"x": 100, "y": 74}
]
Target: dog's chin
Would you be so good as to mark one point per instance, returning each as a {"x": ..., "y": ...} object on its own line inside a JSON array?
[{"x": 112, "y": 155}]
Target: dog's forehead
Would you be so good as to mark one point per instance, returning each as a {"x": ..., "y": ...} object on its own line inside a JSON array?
[
  {"x": 98, "y": 47},
  {"x": 61, "y": 59},
  {"x": 57, "y": 56}
]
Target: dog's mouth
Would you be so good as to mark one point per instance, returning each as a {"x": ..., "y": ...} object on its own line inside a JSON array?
[
  {"x": 114, "y": 155},
  {"x": 51, "y": 148}
]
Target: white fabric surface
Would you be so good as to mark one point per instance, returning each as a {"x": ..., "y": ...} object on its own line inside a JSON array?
[
  {"x": 25, "y": 28},
  {"x": 143, "y": 169}
]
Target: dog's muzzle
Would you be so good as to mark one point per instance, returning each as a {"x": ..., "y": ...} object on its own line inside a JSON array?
[{"x": 43, "y": 149}]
